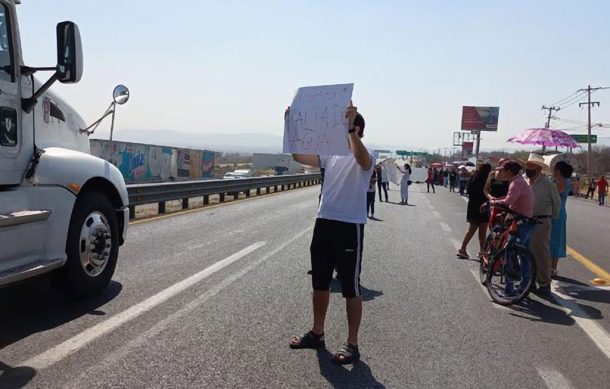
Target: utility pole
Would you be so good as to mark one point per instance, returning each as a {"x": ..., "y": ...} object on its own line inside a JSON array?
[
  {"x": 550, "y": 109},
  {"x": 589, "y": 104},
  {"x": 548, "y": 120}
]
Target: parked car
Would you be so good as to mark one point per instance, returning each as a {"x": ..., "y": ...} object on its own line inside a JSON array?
[{"x": 240, "y": 173}]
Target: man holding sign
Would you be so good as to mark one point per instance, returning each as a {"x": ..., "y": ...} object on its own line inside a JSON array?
[{"x": 338, "y": 234}]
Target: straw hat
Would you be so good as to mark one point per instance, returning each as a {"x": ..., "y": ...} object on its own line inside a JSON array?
[{"x": 537, "y": 159}]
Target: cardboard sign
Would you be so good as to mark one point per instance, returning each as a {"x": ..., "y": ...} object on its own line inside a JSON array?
[{"x": 316, "y": 123}]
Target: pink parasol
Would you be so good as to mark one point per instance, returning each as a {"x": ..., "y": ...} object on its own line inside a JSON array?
[{"x": 545, "y": 137}]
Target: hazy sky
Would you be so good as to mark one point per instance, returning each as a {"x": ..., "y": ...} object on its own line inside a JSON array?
[{"x": 233, "y": 66}]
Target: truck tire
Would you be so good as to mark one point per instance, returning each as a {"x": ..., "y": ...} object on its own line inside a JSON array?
[{"x": 92, "y": 247}]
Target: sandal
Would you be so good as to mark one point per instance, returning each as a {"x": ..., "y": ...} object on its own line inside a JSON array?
[
  {"x": 347, "y": 354},
  {"x": 462, "y": 254},
  {"x": 309, "y": 340}
]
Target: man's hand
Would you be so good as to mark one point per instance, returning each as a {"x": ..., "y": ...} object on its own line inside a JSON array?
[
  {"x": 350, "y": 115},
  {"x": 483, "y": 206},
  {"x": 286, "y": 112}
]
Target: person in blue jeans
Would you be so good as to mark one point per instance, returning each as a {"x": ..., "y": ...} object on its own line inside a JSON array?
[{"x": 523, "y": 237}]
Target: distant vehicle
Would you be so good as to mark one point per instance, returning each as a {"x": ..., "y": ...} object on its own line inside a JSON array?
[{"x": 237, "y": 174}]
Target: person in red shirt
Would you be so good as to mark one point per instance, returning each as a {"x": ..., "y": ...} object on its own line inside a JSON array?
[{"x": 602, "y": 190}]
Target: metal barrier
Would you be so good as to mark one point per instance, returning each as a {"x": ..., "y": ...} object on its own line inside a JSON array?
[{"x": 159, "y": 193}]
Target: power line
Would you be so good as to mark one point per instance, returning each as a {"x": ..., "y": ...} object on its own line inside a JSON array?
[
  {"x": 572, "y": 101},
  {"x": 566, "y": 98}
]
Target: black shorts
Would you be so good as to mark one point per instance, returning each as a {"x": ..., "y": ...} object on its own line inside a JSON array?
[{"x": 337, "y": 245}]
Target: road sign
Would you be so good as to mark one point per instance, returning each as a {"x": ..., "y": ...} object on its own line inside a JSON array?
[
  {"x": 403, "y": 152},
  {"x": 584, "y": 138},
  {"x": 383, "y": 151}
]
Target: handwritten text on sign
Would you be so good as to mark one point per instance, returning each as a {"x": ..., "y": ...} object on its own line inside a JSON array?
[{"x": 316, "y": 123}]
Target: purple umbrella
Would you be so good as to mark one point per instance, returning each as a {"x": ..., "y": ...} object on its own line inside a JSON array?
[{"x": 546, "y": 137}]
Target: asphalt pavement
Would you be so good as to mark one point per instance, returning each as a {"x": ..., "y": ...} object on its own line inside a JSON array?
[{"x": 210, "y": 299}]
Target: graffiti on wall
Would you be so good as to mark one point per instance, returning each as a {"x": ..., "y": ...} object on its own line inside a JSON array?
[{"x": 140, "y": 162}]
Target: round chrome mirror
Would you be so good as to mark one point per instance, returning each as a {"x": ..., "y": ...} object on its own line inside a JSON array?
[{"x": 120, "y": 94}]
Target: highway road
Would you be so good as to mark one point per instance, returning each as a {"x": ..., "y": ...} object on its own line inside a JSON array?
[{"x": 210, "y": 298}]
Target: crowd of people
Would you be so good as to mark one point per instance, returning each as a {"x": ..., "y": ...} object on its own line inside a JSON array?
[
  {"x": 588, "y": 186},
  {"x": 529, "y": 188}
]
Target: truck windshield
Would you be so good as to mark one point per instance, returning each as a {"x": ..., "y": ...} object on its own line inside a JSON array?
[{"x": 6, "y": 69}]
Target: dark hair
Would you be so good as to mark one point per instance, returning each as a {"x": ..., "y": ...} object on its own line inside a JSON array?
[
  {"x": 359, "y": 121},
  {"x": 512, "y": 166},
  {"x": 565, "y": 169},
  {"x": 408, "y": 167},
  {"x": 482, "y": 172}
]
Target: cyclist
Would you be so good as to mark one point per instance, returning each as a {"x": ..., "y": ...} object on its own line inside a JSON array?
[{"x": 520, "y": 198}]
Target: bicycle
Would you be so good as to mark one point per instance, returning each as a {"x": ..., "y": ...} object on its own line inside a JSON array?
[{"x": 507, "y": 268}]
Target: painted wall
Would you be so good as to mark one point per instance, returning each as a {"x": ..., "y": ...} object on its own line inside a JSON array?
[{"x": 149, "y": 163}]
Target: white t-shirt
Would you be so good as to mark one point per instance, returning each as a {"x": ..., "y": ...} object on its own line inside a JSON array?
[{"x": 344, "y": 191}]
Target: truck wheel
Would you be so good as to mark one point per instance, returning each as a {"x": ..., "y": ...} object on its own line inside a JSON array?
[{"x": 92, "y": 247}]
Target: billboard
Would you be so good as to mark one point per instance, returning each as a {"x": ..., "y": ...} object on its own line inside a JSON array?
[
  {"x": 480, "y": 118},
  {"x": 467, "y": 148}
]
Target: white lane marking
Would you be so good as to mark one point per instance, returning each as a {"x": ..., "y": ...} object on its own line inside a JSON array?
[
  {"x": 431, "y": 207},
  {"x": 436, "y": 214},
  {"x": 553, "y": 378},
  {"x": 456, "y": 243},
  {"x": 475, "y": 274},
  {"x": 598, "y": 335},
  {"x": 445, "y": 227},
  {"x": 72, "y": 345},
  {"x": 122, "y": 352}
]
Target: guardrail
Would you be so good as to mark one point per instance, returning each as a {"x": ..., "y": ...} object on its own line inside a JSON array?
[{"x": 140, "y": 194}]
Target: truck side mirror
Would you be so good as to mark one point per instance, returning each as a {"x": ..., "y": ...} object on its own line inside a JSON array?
[
  {"x": 120, "y": 95},
  {"x": 69, "y": 53}
]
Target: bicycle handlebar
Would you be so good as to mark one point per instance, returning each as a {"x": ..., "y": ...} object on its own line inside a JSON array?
[{"x": 517, "y": 215}]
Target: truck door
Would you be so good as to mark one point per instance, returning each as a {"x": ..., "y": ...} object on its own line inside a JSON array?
[{"x": 16, "y": 147}]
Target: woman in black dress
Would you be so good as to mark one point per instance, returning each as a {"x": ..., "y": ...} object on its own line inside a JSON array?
[{"x": 475, "y": 218}]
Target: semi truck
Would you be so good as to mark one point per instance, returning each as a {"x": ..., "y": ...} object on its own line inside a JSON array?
[{"x": 62, "y": 210}]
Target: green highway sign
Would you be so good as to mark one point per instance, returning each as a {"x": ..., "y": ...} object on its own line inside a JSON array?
[
  {"x": 383, "y": 151},
  {"x": 584, "y": 138},
  {"x": 407, "y": 153}
]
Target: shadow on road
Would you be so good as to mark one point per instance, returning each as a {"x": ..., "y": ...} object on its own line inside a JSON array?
[
  {"x": 537, "y": 311},
  {"x": 15, "y": 377},
  {"x": 581, "y": 291},
  {"x": 367, "y": 294},
  {"x": 35, "y": 306},
  {"x": 338, "y": 376}
]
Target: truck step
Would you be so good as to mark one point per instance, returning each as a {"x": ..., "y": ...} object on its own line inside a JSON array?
[
  {"x": 23, "y": 217},
  {"x": 32, "y": 269}
]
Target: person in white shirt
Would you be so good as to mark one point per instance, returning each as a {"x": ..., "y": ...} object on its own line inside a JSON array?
[{"x": 338, "y": 236}]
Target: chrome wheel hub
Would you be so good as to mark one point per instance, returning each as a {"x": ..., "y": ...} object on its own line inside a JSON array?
[{"x": 95, "y": 244}]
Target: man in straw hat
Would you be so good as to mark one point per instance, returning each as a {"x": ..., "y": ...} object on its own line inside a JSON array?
[{"x": 546, "y": 207}]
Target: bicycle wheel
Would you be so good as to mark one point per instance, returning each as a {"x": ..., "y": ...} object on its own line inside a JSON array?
[
  {"x": 511, "y": 274},
  {"x": 487, "y": 254}
]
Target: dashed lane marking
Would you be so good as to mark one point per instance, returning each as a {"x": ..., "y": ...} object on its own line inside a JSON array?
[
  {"x": 72, "y": 345},
  {"x": 445, "y": 227},
  {"x": 553, "y": 378},
  {"x": 436, "y": 214},
  {"x": 142, "y": 339}
]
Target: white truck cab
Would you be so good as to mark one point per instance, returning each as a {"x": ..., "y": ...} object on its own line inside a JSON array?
[{"x": 61, "y": 209}]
